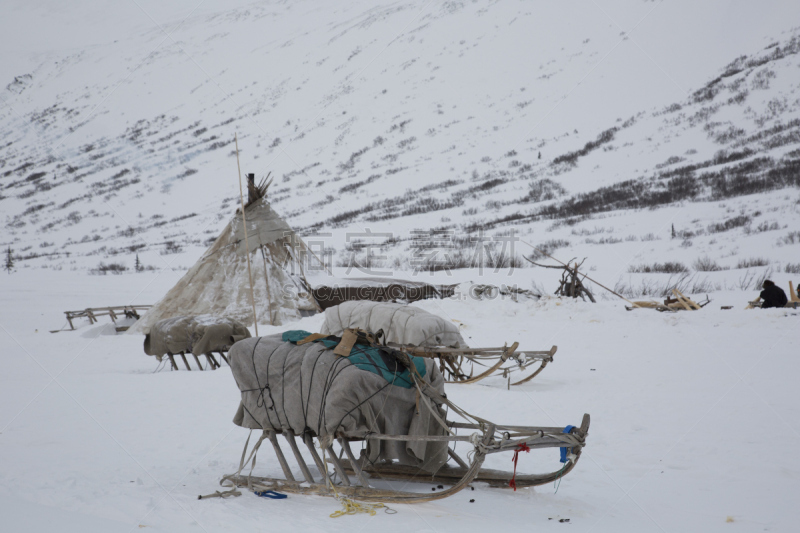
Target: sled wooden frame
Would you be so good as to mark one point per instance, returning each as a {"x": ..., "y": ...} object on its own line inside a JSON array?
[
  {"x": 213, "y": 364},
  {"x": 680, "y": 303},
  {"x": 127, "y": 311},
  {"x": 354, "y": 474},
  {"x": 501, "y": 361}
]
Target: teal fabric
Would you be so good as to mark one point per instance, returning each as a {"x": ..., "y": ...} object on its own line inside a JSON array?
[{"x": 366, "y": 358}]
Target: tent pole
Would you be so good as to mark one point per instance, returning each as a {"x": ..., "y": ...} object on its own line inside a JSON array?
[
  {"x": 266, "y": 282},
  {"x": 247, "y": 246}
]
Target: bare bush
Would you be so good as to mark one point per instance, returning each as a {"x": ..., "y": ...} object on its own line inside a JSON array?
[
  {"x": 171, "y": 247},
  {"x": 792, "y": 268},
  {"x": 759, "y": 282},
  {"x": 793, "y": 237},
  {"x": 542, "y": 190},
  {"x": 761, "y": 228},
  {"x": 685, "y": 283},
  {"x": 111, "y": 268},
  {"x": 706, "y": 264},
  {"x": 731, "y": 223},
  {"x": 668, "y": 267},
  {"x": 571, "y": 158},
  {"x": 752, "y": 262},
  {"x": 548, "y": 247}
]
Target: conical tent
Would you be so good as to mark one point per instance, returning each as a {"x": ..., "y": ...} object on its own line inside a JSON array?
[{"x": 218, "y": 283}]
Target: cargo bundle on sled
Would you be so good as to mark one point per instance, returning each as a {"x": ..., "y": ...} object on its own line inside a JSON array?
[
  {"x": 329, "y": 391},
  {"x": 196, "y": 335},
  {"x": 417, "y": 332}
]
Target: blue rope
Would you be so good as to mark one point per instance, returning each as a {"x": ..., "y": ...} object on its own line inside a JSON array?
[{"x": 564, "y": 452}]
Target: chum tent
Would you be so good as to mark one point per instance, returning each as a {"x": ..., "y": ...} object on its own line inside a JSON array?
[{"x": 218, "y": 283}]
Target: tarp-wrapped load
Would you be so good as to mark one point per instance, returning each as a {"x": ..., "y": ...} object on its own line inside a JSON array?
[
  {"x": 307, "y": 388},
  {"x": 401, "y": 324},
  {"x": 198, "y": 335}
]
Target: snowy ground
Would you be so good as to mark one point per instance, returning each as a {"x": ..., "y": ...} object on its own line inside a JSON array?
[{"x": 690, "y": 412}]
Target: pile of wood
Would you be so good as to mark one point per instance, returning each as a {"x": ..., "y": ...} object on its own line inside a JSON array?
[
  {"x": 679, "y": 303},
  {"x": 571, "y": 283}
]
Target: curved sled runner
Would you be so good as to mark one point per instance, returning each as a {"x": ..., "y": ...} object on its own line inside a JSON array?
[{"x": 329, "y": 390}]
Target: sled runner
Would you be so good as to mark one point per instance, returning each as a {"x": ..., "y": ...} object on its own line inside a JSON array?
[
  {"x": 329, "y": 391},
  {"x": 420, "y": 333}
]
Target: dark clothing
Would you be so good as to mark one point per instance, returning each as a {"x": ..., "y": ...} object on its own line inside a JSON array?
[{"x": 773, "y": 297}]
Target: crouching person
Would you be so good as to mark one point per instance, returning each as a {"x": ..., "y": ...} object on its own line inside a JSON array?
[{"x": 772, "y": 295}]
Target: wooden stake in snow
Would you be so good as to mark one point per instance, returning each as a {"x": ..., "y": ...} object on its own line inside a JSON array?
[{"x": 246, "y": 246}]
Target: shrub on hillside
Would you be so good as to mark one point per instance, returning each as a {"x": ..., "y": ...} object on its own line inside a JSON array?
[
  {"x": 669, "y": 267},
  {"x": 548, "y": 247},
  {"x": 731, "y": 223},
  {"x": 706, "y": 264},
  {"x": 793, "y": 237},
  {"x": 111, "y": 268},
  {"x": 752, "y": 262}
]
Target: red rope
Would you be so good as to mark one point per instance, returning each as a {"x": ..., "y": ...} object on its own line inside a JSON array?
[{"x": 522, "y": 447}]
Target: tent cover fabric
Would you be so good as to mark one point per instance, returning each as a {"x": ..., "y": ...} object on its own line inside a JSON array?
[
  {"x": 307, "y": 388},
  {"x": 402, "y": 324},
  {"x": 218, "y": 283}
]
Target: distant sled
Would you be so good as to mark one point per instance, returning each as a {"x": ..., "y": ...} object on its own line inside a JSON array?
[{"x": 423, "y": 334}]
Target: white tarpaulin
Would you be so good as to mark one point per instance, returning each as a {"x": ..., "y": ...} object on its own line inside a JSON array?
[{"x": 403, "y": 324}]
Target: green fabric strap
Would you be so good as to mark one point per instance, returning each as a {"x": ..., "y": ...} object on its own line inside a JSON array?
[{"x": 366, "y": 358}]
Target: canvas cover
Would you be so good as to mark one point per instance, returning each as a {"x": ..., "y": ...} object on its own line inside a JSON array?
[
  {"x": 218, "y": 283},
  {"x": 193, "y": 334},
  {"x": 402, "y": 324},
  {"x": 308, "y": 388}
]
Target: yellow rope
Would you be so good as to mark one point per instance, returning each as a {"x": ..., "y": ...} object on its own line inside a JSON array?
[{"x": 351, "y": 507}]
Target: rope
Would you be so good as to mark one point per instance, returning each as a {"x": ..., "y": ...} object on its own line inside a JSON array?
[
  {"x": 557, "y": 482},
  {"x": 350, "y": 506}
]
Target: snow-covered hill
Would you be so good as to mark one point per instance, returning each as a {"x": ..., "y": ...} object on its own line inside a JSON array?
[{"x": 459, "y": 116}]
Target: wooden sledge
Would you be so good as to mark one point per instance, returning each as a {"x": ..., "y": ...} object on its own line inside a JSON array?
[
  {"x": 355, "y": 477},
  {"x": 114, "y": 312},
  {"x": 501, "y": 361}
]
